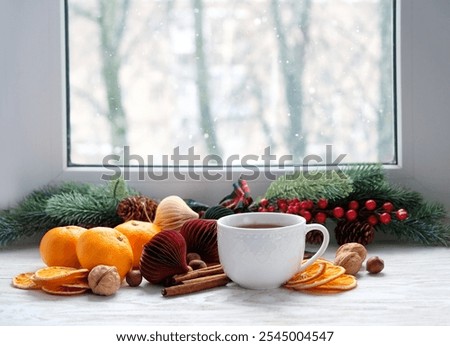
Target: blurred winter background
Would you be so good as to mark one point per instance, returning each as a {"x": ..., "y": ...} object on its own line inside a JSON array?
[{"x": 231, "y": 77}]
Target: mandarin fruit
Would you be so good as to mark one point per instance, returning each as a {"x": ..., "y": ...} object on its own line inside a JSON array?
[
  {"x": 105, "y": 246},
  {"x": 138, "y": 233},
  {"x": 58, "y": 246}
]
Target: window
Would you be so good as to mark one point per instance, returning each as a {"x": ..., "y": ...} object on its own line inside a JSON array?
[
  {"x": 230, "y": 82},
  {"x": 33, "y": 128}
]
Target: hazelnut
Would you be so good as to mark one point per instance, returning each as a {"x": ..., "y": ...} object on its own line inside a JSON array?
[
  {"x": 197, "y": 264},
  {"x": 353, "y": 247},
  {"x": 134, "y": 278},
  {"x": 374, "y": 265},
  {"x": 192, "y": 256},
  {"x": 350, "y": 261},
  {"x": 104, "y": 280}
]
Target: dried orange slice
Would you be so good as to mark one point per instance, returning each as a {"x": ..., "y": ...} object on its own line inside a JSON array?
[
  {"x": 318, "y": 291},
  {"x": 79, "y": 283},
  {"x": 58, "y": 275},
  {"x": 313, "y": 271},
  {"x": 63, "y": 291},
  {"x": 331, "y": 273},
  {"x": 342, "y": 283},
  {"x": 24, "y": 281}
]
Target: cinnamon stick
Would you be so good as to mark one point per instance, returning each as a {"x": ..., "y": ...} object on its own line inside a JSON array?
[
  {"x": 214, "y": 266},
  {"x": 204, "y": 278},
  {"x": 196, "y": 285},
  {"x": 208, "y": 271}
]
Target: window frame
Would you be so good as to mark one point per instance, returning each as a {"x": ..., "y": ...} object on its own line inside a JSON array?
[
  {"x": 315, "y": 162},
  {"x": 35, "y": 148}
]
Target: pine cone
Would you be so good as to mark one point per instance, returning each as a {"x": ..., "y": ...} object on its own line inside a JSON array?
[
  {"x": 139, "y": 208},
  {"x": 314, "y": 237},
  {"x": 354, "y": 232}
]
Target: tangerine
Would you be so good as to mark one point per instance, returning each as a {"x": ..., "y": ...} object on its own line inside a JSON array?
[
  {"x": 107, "y": 246},
  {"x": 138, "y": 233},
  {"x": 58, "y": 246}
]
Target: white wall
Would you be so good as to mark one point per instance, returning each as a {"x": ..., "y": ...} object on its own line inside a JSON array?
[
  {"x": 32, "y": 127},
  {"x": 425, "y": 95},
  {"x": 29, "y": 87}
]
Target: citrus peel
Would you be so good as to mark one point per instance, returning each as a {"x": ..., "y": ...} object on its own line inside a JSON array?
[
  {"x": 24, "y": 281},
  {"x": 58, "y": 275},
  {"x": 322, "y": 277},
  {"x": 63, "y": 290},
  {"x": 54, "y": 280},
  {"x": 313, "y": 271},
  {"x": 344, "y": 282}
]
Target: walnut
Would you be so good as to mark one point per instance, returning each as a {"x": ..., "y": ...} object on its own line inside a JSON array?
[
  {"x": 104, "y": 280},
  {"x": 374, "y": 265},
  {"x": 353, "y": 247},
  {"x": 350, "y": 261}
]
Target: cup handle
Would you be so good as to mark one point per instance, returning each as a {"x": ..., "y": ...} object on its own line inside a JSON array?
[{"x": 323, "y": 247}]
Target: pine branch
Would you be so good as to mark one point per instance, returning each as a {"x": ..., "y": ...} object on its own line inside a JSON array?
[
  {"x": 365, "y": 177},
  {"x": 8, "y": 229},
  {"x": 28, "y": 218},
  {"x": 83, "y": 210},
  {"x": 65, "y": 204},
  {"x": 424, "y": 225},
  {"x": 330, "y": 185},
  {"x": 400, "y": 196},
  {"x": 419, "y": 231}
]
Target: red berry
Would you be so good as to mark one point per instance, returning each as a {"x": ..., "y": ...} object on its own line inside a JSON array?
[
  {"x": 306, "y": 214},
  {"x": 371, "y": 204},
  {"x": 271, "y": 208},
  {"x": 293, "y": 209},
  {"x": 322, "y": 203},
  {"x": 385, "y": 218},
  {"x": 401, "y": 214},
  {"x": 320, "y": 217},
  {"x": 304, "y": 205},
  {"x": 351, "y": 215},
  {"x": 283, "y": 207},
  {"x": 354, "y": 205},
  {"x": 262, "y": 209},
  {"x": 372, "y": 220},
  {"x": 264, "y": 202},
  {"x": 281, "y": 202},
  {"x": 338, "y": 212},
  {"x": 294, "y": 201},
  {"x": 388, "y": 206}
]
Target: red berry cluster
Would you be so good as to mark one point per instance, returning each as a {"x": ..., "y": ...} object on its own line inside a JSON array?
[
  {"x": 316, "y": 212},
  {"x": 369, "y": 210},
  {"x": 375, "y": 213}
]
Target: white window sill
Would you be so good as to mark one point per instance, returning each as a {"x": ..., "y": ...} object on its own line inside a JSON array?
[{"x": 412, "y": 290}]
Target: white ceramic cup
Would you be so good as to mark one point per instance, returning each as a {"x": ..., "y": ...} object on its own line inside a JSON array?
[{"x": 263, "y": 257}]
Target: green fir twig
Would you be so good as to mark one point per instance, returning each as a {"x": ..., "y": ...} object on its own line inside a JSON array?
[
  {"x": 425, "y": 225},
  {"x": 426, "y": 222},
  {"x": 83, "y": 210},
  {"x": 311, "y": 185},
  {"x": 69, "y": 203}
]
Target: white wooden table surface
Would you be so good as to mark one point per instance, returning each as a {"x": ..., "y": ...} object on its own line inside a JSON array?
[{"x": 414, "y": 289}]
